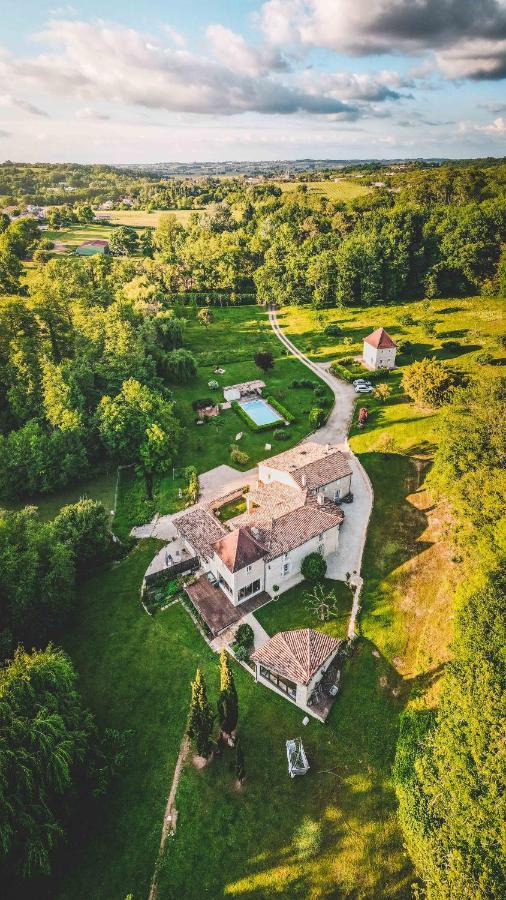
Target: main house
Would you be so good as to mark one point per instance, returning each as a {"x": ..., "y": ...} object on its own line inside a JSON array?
[{"x": 290, "y": 512}]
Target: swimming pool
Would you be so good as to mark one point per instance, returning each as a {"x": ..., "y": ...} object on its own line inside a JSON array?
[{"x": 260, "y": 411}]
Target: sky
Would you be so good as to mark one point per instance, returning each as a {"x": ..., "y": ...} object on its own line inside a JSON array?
[{"x": 152, "y": 81}]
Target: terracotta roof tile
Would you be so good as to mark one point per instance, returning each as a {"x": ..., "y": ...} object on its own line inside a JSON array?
[
  {"x": 380, "y": 339},
  {"x": 296, "y": 654},
  {"x": 312, "y": 465},
  {"x": 239, "y": 549},
  {"x": 200, "y": 529}
]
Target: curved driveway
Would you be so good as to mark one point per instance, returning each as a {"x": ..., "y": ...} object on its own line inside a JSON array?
[{"x": 348, "y": 558}]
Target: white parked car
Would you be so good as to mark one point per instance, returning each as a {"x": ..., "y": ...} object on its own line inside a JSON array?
[
  {"x": 360, "y": 381},
  {"x": 363, "y": 388}
]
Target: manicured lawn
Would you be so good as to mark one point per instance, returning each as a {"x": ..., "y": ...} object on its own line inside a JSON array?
[
  {"x": 101, "y": 488},
  {"x": 235, "y": 332},
  {"x": 229, "y": 510},
  {"x": 134, "y": 673},
  {"x": 341, "y": 190},
  {"x": 475, "y": 323},
  {"x": 291, "y": 611}
]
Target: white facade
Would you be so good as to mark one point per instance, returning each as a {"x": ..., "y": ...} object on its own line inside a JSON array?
[
  {"x": 297, "y": 693},
  {"x": 241, "y": 585},
  {"x": 379, "y": 357},
  {"x": 285, "y": 571}
]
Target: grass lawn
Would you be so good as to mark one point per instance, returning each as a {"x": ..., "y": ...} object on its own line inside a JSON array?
[
  {"x": 237, "y": 332},
  {"x": 74, "y": 235},
  {"x": 230, "y": 510},
  {"x": 133, "y": 507},
  {"x": 341, "y": 190},
  {"x": 291, "y": 611},
  {"x": 475, "y": 323},
  {"x": 135, "y": 670},
  {"x": 101, "y": 488},
  {"x": 141, "y": 218},
  {"x": 134, "y": 674}
]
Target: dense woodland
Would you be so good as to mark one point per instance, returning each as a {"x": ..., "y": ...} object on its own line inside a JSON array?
[{"x": 91, "y": 352}]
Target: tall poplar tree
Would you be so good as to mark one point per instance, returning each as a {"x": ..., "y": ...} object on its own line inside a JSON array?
[
  {"x": 228, "y": 706},
  {"x": 201, "y": 718}
]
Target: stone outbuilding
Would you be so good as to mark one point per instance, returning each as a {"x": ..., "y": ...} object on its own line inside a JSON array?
[{"x": 379, "y": 350}]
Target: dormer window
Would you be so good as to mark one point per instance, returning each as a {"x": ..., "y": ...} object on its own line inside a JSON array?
[{"x": 249, "y": 568}]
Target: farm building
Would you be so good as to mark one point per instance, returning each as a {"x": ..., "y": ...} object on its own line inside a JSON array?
[{"x": 379, "y": 350}]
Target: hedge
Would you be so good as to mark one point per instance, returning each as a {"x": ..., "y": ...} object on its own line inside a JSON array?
[
  {"x": 288, "y": 416},
  {"x": 350, "y": 377},
  {"x": 238, "y": 409}
]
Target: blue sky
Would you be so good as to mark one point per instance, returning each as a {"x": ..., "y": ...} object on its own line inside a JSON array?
[{"x": 131, "y": 82}]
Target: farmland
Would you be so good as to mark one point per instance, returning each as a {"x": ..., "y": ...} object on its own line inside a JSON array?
[{"x": 338, "y": 190}]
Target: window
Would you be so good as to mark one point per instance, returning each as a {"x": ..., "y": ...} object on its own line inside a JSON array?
[
  {"x": 249, "y": 568},
  {"x": 250, "y": 589},
  {"x": 288, "y": 687}
]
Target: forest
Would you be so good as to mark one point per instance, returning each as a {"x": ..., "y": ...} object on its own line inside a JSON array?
[{"x": 93, "y": 352}]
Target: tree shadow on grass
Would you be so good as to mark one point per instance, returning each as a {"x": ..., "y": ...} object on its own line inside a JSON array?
[
  {"x": 443, "y": 354},
  {"x": 396, "y": 523}
]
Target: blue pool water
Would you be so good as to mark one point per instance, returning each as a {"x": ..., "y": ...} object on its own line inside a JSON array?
[{"x": 260, "y": 412}]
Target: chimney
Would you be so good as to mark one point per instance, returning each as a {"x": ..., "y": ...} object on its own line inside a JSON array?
[
  {"x": 327, "y": 448},
  {"x": 249, "y": 504},
  {"x": 320, "y": 499},
  {"x": 303, "y": 480}
]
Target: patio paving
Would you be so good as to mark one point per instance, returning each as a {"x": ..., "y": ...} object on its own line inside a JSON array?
[{"x": 216, "y": 609}]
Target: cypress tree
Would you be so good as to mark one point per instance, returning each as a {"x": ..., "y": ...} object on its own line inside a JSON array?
[
  {"x": 200, "y": 722},
  {"x": 228, "y": 706}
]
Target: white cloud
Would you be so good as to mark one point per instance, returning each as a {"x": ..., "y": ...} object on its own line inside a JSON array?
[
  {"x": 240, "y": 56},
  {"x": 87, "y": 113},
  {"x": 106, "y": 62},
  {"x": 497, "y": 127},
  {"x": 468, "y": 35},
  {"x": 9, "y": 102}
]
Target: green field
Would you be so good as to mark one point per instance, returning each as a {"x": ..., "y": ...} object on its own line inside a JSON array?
[
  {"x": 475, "y": 324},
  {"x": 141, "y": 218},
  {"x": 101, "y": 488},
  {"x": 340, "y": 190},
  {"x": 291, "y": 611},
  {"x": 74, "y": 235},
  {"x": 235, "y": 333}
]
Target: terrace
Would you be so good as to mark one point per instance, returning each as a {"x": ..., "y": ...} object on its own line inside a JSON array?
[{"x": 216, "y": 609}]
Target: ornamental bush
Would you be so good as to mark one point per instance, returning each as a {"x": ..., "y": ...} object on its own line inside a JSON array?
[
  {"x": 317, "y": 417},
  {"x": 313, "y": 567}
]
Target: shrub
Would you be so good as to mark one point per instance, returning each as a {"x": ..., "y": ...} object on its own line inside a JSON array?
[
  {"x": 241, "y": 654},
  {"x": 295, "y": 383},
  {"x": 430, "y": 383},
  {"x": 306, "y": 383},
  {"x": 238, "y": 456},
  {"x": 313, "y": 567},
  {"x": 340, "y": 372},
  {"x": 202, "y": 403},
  {"x": 264, "y": 360},
  {"x": 332, "y": 329},
  {"x": 213, "y": 385},
  {"x": 484, "y": 358},
  {"x": 450, "y": 345},
  {"x": 192, "y": 478},
  {"x": 319, "y": 390},
  {"x": 406, "y": 319},
  {"x": 244, "y": 636},
  {"x": 317, "y": 417},
  {"x": 281, "y": 434}
]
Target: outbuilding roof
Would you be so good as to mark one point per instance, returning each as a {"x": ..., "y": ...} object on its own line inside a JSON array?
[
  {"x": 380, "y": 339},
  {"x": 296, "y": 654}
]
